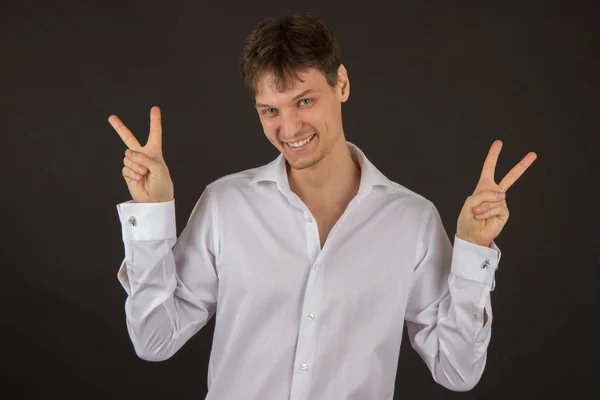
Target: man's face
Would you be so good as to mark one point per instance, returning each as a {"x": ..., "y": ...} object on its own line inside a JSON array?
[{"x": 304, "y": 121}]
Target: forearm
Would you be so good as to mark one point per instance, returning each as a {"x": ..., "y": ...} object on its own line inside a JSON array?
[
  {"x": 462, "y": 335},
  {"x": 447, "y": 308},
  {"x": 151, "y": 307},
  {"x": 162, "y": 313}
]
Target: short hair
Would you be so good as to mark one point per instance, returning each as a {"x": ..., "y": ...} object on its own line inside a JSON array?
[{"x": 287, "y": 45}]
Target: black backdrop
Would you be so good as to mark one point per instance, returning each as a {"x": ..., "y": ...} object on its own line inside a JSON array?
[{"x": 432, "y": 85}]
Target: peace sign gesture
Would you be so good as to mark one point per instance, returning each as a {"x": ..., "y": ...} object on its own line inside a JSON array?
[
  {"x": 485, "y": 212},
  {"x": 145, "y": 170}
]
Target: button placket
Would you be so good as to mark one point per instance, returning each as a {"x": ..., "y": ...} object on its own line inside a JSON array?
[
  {"x": 305, "y": 347},
  {"x": 312, "y": 237}
]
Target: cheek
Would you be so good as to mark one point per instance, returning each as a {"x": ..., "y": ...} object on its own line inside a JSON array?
[
  {"x": 315, "y": 119},
  {"x": 268, "y": 127},
  {"x": 327, "y": 122},
  {"x": 335, "y": 117},
  {"x": 270, "y": 131}
]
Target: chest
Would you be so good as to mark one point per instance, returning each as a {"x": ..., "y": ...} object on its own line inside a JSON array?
[
  {"x": 325, "y": 222},
  {"x": 367, "y": 258},
  {"x": 269, "y": 251}
]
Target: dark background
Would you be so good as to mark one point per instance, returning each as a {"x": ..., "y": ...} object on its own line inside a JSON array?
[{"x": 433, "y": 84}]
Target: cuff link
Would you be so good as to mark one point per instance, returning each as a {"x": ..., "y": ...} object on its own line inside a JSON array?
[
  {"x": 132, "y": 221},
  {"x": 486, "y": 264}
]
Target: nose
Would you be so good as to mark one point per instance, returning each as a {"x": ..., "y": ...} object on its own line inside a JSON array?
[{"x": 290, "y": 124}]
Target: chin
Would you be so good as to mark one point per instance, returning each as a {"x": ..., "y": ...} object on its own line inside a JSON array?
[{"x": 306, "y": 162}]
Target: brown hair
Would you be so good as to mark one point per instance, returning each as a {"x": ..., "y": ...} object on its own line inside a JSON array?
[{"x": 286, "y": 45}]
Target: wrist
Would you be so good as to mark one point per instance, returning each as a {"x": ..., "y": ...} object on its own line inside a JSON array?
[{"x": 474, "y": 241}]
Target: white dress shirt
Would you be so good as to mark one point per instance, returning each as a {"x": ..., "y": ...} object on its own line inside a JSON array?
[{"x": 297, "y": 321}]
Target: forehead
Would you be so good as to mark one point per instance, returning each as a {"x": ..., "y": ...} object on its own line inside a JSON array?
[{"x": 269, "y": 89}]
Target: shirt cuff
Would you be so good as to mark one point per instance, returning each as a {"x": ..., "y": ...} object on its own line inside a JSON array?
[
  {"x": 147, "y": 221},
  {"x": 474, "y": 262}
]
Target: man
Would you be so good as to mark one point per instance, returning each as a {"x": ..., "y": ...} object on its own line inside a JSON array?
[{"x": 311, "y": 263}]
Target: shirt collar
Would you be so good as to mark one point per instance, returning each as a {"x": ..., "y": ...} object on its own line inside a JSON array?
[{"x": 370, "y": 176}]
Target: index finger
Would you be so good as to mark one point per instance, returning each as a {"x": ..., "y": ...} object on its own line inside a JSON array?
[
  {"x": 155, "y": 136},
  {"x": 516, "y": 172},
  {"x": 124, "y": 132},
  {"x": 489, "y": 166}
]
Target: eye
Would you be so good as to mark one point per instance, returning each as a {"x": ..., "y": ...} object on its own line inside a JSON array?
[
  {"x": 269, "y": 111},
  {"x": 305, "y": 101}
]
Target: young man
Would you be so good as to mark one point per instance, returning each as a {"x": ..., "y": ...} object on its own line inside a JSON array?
[{"x": 312, "y": 263}]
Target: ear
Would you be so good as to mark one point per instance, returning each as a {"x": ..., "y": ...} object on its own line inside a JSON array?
[{"x": 343, "y": 83}]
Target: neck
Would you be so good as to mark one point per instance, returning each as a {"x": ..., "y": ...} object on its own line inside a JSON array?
[{"x": 331, "y": 183}]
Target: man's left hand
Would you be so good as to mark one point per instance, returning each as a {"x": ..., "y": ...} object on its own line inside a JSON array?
[{"x": 485, "y": 212}]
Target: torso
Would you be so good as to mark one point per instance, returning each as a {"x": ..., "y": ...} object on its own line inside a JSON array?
[
  {"x": 326, "y": 214},
  {"x": 325, "y": 221}
]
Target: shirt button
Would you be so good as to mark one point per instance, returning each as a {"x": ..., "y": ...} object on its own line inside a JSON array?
[
  {"x": 130, "y": 270},
  {"x": 477, "y": 316},
  {"x": 132, "y": 220},
  {"x": 316, "y": 267},
  {"x": 309, "y": 219},
  {"x": 311, "y": 316},
  {"x": 304, "y": 366}
]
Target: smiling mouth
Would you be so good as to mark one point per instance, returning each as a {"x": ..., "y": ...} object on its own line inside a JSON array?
[{"x": 301, "y": 143}]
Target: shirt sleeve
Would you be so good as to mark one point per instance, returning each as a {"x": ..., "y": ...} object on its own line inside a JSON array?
[
  {"x": 446, "y": 306},
  {"x": 171, "y": 283}
]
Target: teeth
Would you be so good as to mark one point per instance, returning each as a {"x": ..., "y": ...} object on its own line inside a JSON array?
[{"x": 301, "y": 143}]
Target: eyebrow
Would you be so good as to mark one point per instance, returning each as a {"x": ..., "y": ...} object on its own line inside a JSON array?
[{"x": 297, "y": 97}]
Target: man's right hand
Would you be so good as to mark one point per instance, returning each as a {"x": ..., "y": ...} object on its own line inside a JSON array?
[{"x": 145, "y": 170}]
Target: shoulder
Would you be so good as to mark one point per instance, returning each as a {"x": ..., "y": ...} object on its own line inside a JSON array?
[
  {"x": 230, "y": 183},
  {"x": 242, "y": 185},
  {"x": 407, "y": 199},
  {"x": 236, "y": 179}
]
